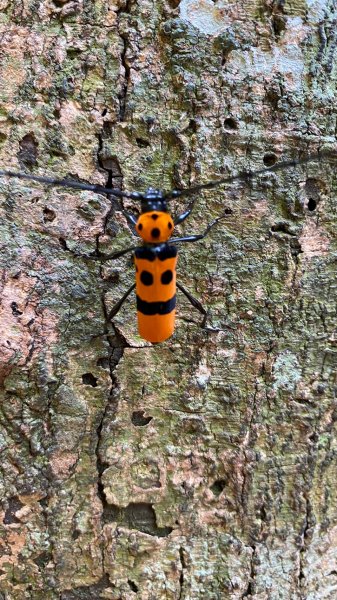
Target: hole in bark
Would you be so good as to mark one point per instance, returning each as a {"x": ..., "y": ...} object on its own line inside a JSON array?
[
  {"x": 278, "y": 25},
  {"x": 311, "y": 204},
  {"x": 281, "y": 227},
  {"x": 43, "y": 559},
  {"x": 139, "y": 420},
  {"x": 16, "y": 312},
  {"x": 218, "y": 486},
  {"x": 230, "y": 123},
  {"x": 269, "y": 159},
  {"x": 138, "y": 516},
  {"x": 91, "y": 592},
  {"x": 104, "y": 112},
  {"x": 142, "y": 143},
  {"x": 14, "y": 505},
  {"x": 103, "y": 362},
  {"x": 132, "y": 585},
  {"x": 114, "y": 276},
  {"x": 48, "y": 215},
  {"x": 63, "y": 243},
  {"x": 27, "y": 154},
  {"x": 192, "y": 126},
  {"x": 89, "y": 379},
  {"x": 272, "y": 97},
  {"x": 76, "y": 534}
]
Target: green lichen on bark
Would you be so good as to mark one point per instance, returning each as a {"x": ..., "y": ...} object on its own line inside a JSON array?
[{"x": 205, "y": 467}]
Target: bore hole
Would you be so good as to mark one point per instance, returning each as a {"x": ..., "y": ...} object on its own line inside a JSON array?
[
  {"x": 230, "y": 123},
  {"x": 139, "y": 420},
  {"x": 269, "y": 159},
  {"x": 63, "y": 243},
  {"x": 311, "y": 204},
  {"x": 27, "y": 154},
  {"x": 142, "y": 143},
  {"x": 15, "y": 309},
  {"x": 89, "y": 379},
  {"x": 280, "y": 227},
  {"x": 103, "y": 362},
  {"x": 104, "y": 112},
  {"x": 13, "y": 505},
  {"x": 218, "y": 486},
  {"x": 132, "y": 585},
  {"x": 48, "y": 215}
]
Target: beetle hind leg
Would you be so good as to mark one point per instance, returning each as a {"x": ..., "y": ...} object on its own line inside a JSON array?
[{"x": 194, "y": 303}]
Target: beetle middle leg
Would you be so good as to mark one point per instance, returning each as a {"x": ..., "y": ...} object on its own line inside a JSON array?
[
  {"x": 113, "y": 312},
  {"x": 99, "y": 257}
]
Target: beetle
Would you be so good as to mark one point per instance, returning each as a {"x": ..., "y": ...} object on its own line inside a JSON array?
[
  {"x": 155, "y": 263},
  {"x": 155, "y": 260}
]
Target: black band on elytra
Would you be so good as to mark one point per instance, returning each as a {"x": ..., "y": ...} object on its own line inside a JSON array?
[{"x": 156, "y": 308}]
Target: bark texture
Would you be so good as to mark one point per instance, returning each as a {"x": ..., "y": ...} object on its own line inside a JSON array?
[{"x": 204, "y": 467}]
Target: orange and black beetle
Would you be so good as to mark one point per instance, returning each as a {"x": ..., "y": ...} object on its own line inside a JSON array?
[{"x": 155, "y": 263}]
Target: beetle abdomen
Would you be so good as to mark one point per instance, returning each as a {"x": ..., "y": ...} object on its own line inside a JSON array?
[{"x": 156, "y": 291}]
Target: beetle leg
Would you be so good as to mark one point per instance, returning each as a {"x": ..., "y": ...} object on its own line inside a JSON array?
[
  {"x": 184, "y": 215},
  {"x": 194, "y": 303},
  {"x": 113, "y": 312},
  {"x": 101, "y": 257},
  {"x": 198, "y": 236}
]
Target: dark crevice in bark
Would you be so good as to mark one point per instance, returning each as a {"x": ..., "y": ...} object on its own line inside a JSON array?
[
  {"x": 115, "y": 340},
  {"x": 304, "y": 544},
  {"x": 182, "y": 569},
  {"x": 125, "y": 84},
  {"x": 117, "y": 345},
  {"x": 139, "y": 516},
  {"x": 89, "y": 592},
  {"x": 251, "y": 583}
]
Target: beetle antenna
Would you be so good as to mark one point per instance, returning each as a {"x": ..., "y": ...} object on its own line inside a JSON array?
[
  {"x": 246, "y": 175},
  {"x": 70, "y": 183}
]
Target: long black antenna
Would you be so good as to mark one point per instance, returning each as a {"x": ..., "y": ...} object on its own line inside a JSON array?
[
  {"x": 246, "y": 175},
  {"x": 71, "y": 183},
  {"x": 243, "y": 175}
]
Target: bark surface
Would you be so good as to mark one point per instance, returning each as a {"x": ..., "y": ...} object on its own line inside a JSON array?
[{"x": 203, "y": 468}]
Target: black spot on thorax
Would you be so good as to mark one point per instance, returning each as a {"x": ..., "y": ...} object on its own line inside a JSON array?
[{"x": 155, "y": 233}]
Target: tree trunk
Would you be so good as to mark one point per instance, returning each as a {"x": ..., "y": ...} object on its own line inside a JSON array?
[{"x": 204, "y": 467}]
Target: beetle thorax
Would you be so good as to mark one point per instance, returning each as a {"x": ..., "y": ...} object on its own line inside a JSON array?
[{"x": 155, "y": 227}]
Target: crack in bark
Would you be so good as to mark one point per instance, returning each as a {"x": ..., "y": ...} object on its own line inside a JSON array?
[
  {"x": 250, "y": 588},
  {"x": 183, "y": 568},
  {"x": 122, "y": 96},
  {"x": 304, "y": 546}
]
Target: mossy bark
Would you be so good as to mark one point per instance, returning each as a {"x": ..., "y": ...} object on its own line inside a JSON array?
[{"x": 204, "y": 467}]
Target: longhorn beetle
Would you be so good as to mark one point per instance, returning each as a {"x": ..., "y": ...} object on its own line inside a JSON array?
[{"x": 155, "y": 260}]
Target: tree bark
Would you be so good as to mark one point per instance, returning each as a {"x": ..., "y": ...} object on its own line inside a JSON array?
[{"x": 203, "y": 467}]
